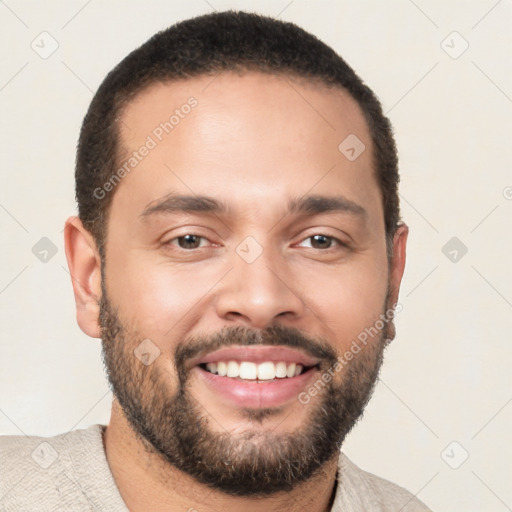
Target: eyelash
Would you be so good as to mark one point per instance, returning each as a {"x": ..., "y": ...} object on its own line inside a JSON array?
[
  {"x": 183, "y": 236},
  {"x": 332, "y": 238}
]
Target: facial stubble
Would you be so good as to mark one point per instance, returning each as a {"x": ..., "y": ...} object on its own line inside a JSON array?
[{"x": 256, "y": 462}]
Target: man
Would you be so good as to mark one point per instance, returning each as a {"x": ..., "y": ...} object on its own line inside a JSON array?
[{"x": 239, "y": 252}]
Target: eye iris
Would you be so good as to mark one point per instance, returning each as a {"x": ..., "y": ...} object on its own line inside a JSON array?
[
  {"x": 320, "y": 241},
  {"x": 189, "y": 241}
]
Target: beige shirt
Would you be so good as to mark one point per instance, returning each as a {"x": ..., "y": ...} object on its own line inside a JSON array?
[{"x": 70, "y": 472}]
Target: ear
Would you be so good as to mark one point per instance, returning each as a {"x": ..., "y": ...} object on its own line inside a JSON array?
[
  {"x": 397, "y": 264},
  {"x": 85, "y": 268},
  {"x": 396, "y": 270}
]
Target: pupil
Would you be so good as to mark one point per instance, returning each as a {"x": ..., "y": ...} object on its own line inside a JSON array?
[
  {"x": 321, "y": 241},
  {"x": 189, "y": 241}
]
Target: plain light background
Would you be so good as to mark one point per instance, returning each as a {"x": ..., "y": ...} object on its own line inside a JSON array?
[{"x": 445, "y": 391}]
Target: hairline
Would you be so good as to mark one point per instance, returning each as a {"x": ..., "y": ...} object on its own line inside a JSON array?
[{"x": 125, "y": 100}]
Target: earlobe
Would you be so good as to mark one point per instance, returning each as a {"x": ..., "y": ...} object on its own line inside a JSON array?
[{"x": 85, "y": 268}]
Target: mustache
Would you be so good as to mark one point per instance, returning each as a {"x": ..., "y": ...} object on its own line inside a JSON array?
[{"x": 275, "y": 335}]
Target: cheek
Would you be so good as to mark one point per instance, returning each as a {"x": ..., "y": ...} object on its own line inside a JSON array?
[
  {"x": 166, "y": 302},
  {"x": 160, "y": 300},
  {"x": 347, "y": 299}
]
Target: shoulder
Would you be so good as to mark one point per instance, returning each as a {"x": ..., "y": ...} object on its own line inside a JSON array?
[
  {"x": 360, "y": 490},
  {"x": 34, "y": 454},
  {"x": 51, "y": 473},
  {"x": 12, "y": 445}
]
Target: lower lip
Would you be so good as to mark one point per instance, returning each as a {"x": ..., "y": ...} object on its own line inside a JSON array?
[{"x": 257, "y": 395}]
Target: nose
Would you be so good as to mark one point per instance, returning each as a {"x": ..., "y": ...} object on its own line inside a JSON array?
[{"x": 255, "y": 293}]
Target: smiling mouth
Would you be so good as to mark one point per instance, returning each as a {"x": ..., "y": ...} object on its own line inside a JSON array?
[
  {"x": 257, "y": 376},
  {"x": 266, "y": 371}
]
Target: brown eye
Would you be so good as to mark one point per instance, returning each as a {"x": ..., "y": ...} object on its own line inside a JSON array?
[
  {"x": 321, "y": 241},
  {"x": 189, "y": 241}
]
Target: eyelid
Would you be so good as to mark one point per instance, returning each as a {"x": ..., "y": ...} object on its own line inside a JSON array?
[
  {"x": 171, "y": 236},
  {"x": 176, "y": 238},
  {"x": 198, "y": 233},
  {"x": 340, "y": 237},
  {"x": 337, "y": 241}
]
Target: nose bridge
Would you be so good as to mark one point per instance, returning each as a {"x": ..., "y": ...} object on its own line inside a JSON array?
[{"x": 257, "y": 289}]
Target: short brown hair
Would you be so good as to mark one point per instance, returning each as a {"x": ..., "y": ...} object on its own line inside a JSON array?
[{"x": 209, "y": 44}]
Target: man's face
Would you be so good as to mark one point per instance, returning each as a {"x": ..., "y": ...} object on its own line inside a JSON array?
[{"x": 275, "y": 261}]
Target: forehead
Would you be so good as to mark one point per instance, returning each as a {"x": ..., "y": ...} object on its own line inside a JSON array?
[
  {"x": 253, "y": 101},
  {"x": 247, "y": 138}
]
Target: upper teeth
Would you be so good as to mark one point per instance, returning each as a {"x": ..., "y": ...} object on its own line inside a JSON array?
[{"x": 252, "y": 371}]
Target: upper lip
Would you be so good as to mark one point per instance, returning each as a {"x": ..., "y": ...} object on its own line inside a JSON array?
[{"x": 257, "y": 354}]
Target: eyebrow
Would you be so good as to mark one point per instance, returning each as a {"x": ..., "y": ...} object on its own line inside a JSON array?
[
  {"x": 313, "y": 205},
  {"x": 183, "y": 203},
  {"x": 306, "y": 205}
]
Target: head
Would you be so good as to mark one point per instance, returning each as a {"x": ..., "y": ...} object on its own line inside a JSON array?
[{"x": 237, "y": 193}]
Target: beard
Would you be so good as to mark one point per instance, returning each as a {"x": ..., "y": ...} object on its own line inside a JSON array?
[{"x": 256, "y": 462}]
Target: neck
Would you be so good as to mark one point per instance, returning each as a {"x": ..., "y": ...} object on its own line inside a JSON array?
[{"x": 146, "y": 482}]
